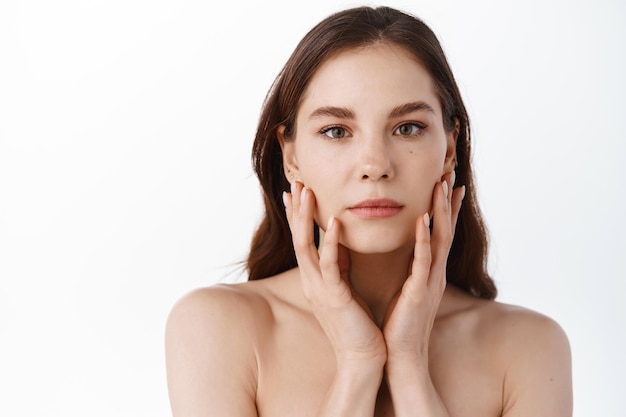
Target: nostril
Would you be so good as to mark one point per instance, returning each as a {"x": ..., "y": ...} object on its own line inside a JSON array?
[{"x": 367, "y": 177}]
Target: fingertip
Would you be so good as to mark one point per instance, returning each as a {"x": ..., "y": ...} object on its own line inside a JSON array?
[
  {"x": 303, "y": 194},
  {"x": 334, "y": 229},
  {"x": 421, "y": 251},
  {"x": 457, "y": 198},
  {"x": 423, "y": 228}
]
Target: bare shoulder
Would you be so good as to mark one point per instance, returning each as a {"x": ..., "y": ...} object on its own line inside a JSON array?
[
  {"x": 249, "y": 305},
  {"x": 500, "y": 324},
  {"x": 212, "y": 337},
  {"x": 534, "y": 354},
  {"x": 233, "y": 317},
  {"x": 520, "y": 328},
  {"x": 231, "y": 303}
]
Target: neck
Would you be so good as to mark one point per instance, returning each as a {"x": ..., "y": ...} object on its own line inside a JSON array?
[{"x": 377, "y": 278}]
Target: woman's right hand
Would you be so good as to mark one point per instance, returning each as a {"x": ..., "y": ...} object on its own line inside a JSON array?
[{"x": 345, "y": 318}]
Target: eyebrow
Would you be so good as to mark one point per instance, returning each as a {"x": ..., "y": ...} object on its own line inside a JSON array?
[
  {"x": 407, "y": 108},
  {"x": 346, "y": 113},
  {"x": 338, "y": 112}
]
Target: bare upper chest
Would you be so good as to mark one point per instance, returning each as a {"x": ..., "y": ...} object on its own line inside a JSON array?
[{"x": 297, "y": 364}]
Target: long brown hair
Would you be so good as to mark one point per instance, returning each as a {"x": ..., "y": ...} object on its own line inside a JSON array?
[{"x": 271, "y": 251}]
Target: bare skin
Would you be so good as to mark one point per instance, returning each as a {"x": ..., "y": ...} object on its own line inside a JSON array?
[
  {"x": 366, "y": 326},
  {"x": 257, "y": 349}
]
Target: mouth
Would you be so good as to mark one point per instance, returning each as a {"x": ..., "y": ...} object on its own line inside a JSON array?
[{"x": 376, "y": 208}]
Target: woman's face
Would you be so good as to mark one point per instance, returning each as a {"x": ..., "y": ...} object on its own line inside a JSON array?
[{"x": 371, "y": 145}]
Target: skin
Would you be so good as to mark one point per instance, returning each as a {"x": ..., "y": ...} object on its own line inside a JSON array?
[{"x": 365, "y": 326}]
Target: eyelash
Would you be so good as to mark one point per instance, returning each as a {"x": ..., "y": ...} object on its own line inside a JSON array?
[
  {"x": 420, "y": 130},
  {"x": 325, "y": 131}
]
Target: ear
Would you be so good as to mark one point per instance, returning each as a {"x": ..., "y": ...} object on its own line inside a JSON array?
[
  {"x": 290, "y": 163},
  {"x": 449, "y": 163}
]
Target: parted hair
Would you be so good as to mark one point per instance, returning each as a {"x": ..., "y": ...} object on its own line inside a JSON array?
[{"x": 271, "y": 250}]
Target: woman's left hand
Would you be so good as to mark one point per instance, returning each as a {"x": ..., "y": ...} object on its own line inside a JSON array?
[{"x": 411, "y": 315}]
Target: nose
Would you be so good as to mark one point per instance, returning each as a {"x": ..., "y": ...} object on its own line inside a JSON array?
[{"x": 375, "y": 160}]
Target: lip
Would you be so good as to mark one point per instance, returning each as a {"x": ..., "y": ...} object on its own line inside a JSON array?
[{"x": 378, "y": 208}]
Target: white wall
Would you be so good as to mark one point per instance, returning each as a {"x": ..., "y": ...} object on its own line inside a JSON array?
[{"x": 125, "y": 181}]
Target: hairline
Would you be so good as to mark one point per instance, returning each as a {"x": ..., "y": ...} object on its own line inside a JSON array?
[{"x": 382, "y": 39}]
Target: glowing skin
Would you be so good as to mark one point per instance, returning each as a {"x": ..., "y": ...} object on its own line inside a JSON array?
[
  {"x": 371, "y": 145},
  {"x": 375, "y": 333}
]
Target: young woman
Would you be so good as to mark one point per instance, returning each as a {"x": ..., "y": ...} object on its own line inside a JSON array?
[{"x": 368, "y": 291}]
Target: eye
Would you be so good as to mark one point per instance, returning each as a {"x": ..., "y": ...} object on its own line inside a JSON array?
[
  {"x": 334, "y": 132},
  {"x": 409, "y": 129}
]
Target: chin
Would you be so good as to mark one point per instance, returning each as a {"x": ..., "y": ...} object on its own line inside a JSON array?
[{"x": 377, "y": 241}]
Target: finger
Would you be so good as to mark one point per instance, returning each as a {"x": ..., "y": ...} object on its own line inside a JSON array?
[
  {"x": 329, "y": 258},
  {"x": 296, "y": 189},
  {"x": 288, "y": 201},
  {"x": 457, "y": 200},
  {"x": 422, "y": 256},
  {"x": 450, "y": 179},
  {"x": 442, "y": 233},
  {"x": 288, "y": 207},
  {"x": 303, "y": 203},
  {"x": 307, "y": 212},
  {"x": 304, "y": 208},
  {"x": 296, "y": 195}
]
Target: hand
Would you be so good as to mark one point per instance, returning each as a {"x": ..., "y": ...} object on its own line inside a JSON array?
[
  {"x": 411, "y": 315},
  {"x": 345, "y": 319}
]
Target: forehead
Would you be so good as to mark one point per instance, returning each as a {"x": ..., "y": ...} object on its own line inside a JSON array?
[{"x": 381, "y": 76}]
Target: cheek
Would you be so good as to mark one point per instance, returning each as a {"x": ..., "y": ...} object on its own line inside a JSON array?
[
  {"x": 325, "y": 202},
  {"x": 424, "y": 177},
  {"x": 322, "y": 181}
]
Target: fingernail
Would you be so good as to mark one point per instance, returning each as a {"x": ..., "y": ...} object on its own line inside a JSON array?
[
  {"x": 331, "y": 221},
  {"x": 426, "y": 220},
  {"x": 462, "y": 192},
  {"x": 303, "y": 195},
  {"x": 445, "y": 188},
  {"x": 293, "y": 187},
  {"x": 285, "y": 198},
  {"x": 453, "y": 178}
]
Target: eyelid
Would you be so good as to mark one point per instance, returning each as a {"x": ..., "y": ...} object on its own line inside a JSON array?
[
  {"x": 421, "y": 127},
  {"x": 327, "y": 129}
]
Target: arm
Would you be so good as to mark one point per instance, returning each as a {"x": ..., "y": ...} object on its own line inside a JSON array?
[
  {"x": 211, "y": 369},
  {"x": 353, "y": 391}
]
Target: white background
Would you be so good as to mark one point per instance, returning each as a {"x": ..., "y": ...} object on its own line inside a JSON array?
[{"x": 125, "y": 177}]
